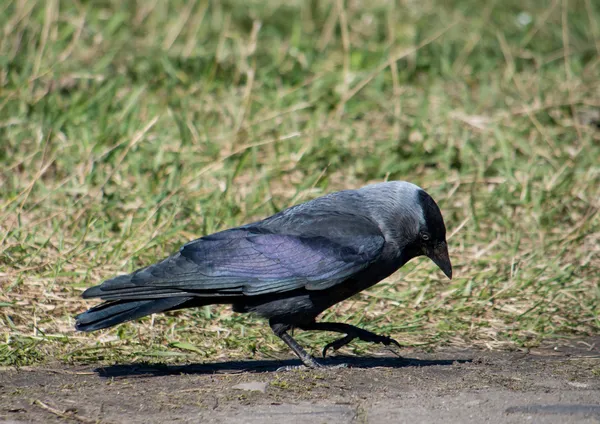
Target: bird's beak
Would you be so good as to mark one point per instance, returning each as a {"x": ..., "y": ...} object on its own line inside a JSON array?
[{"x": 439, "y": 255}]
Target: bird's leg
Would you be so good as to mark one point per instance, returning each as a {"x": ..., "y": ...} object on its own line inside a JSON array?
[
  {"x": 352, "y": 332},
  {"x": 280, "y": 331}
]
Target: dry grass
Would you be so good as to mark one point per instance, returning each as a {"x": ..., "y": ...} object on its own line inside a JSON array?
[{"x": 128, "y": 129}]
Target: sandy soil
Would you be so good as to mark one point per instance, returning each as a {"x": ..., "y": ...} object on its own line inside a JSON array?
[{"x": 558, "y": 383}]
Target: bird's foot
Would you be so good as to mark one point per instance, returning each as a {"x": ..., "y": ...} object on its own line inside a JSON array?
[{"x": 364, "y": 335}]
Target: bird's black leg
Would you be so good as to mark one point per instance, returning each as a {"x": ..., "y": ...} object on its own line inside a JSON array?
[
  {"x": 352, "y": 332},
  {"x": 281, "y": 331}
]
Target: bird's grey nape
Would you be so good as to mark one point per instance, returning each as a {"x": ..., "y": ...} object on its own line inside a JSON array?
[{"x": 396, "y": 207}]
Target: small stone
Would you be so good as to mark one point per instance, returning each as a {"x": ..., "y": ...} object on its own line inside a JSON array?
[
  {"x": 252, "y": 386},
  {"x": 576, "y": 384},
  {"x": 415, "y": 136}
]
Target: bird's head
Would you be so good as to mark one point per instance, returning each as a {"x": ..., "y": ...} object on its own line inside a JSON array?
[
  {"x": 431, "y": 239},
  {"x": 411, "y": 220}
]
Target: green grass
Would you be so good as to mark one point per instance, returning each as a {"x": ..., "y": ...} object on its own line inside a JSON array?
[{"x": 129, "y": 128}]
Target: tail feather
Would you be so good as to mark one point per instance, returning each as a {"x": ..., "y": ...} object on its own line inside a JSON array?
[
  {"x": 120, "y": 283},
  {"x": 115, "y": 312},
  {"x": 140, "y": 294},
  {"x": 122, "y": 288},
  {"x": 127, "y": 300}
]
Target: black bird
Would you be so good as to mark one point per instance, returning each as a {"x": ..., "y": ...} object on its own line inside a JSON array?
[{"x": 289, "y": 267}]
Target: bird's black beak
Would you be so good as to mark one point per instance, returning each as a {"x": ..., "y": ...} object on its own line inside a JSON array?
[{"x": 439, "y": 255}]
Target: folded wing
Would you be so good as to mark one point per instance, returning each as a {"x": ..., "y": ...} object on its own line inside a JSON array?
[{"x": 253, "y": 260}]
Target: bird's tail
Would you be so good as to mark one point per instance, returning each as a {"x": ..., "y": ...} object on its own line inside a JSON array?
[
  {"x": 115, "y": 312},
  {"x": 126, "y": 301}
]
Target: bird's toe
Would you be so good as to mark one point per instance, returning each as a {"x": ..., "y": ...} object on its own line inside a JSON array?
[{"x": 339, "y": 343}]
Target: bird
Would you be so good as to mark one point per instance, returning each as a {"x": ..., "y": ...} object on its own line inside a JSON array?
[{"x": 290, "y": 267}]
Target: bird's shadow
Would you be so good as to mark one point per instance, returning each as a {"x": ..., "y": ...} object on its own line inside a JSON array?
[{"x": 146, "y": 369}]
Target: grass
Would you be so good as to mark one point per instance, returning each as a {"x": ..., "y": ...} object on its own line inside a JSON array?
[{"x": 129, "y": 128}]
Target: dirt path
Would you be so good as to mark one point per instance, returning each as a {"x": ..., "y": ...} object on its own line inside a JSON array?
[{"x": 555, "y": 385}]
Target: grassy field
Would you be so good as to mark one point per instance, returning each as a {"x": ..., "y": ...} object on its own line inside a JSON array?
[{"x": 129, "y": 128}]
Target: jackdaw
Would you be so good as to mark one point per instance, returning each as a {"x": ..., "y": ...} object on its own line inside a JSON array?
[{"x": 289, "y": 267}]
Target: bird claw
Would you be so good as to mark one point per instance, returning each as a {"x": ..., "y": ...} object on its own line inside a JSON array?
[
  {"x": 337, "y": 344},
  {"x": 327, "y": 347},
  {"x": 390, "y": 341}
]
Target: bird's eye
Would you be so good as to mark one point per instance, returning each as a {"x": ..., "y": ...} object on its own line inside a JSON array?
[{"x": 425, "y": 236}]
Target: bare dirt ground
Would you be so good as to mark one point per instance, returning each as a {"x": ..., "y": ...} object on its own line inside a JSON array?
[{"x": 556, "y": 383}]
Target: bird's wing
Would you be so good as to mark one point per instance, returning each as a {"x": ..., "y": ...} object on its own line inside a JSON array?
[{"x": 252, "y": 261}]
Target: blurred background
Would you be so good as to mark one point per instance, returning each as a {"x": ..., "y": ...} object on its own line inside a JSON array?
[{"x": 129, "y": 128}]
